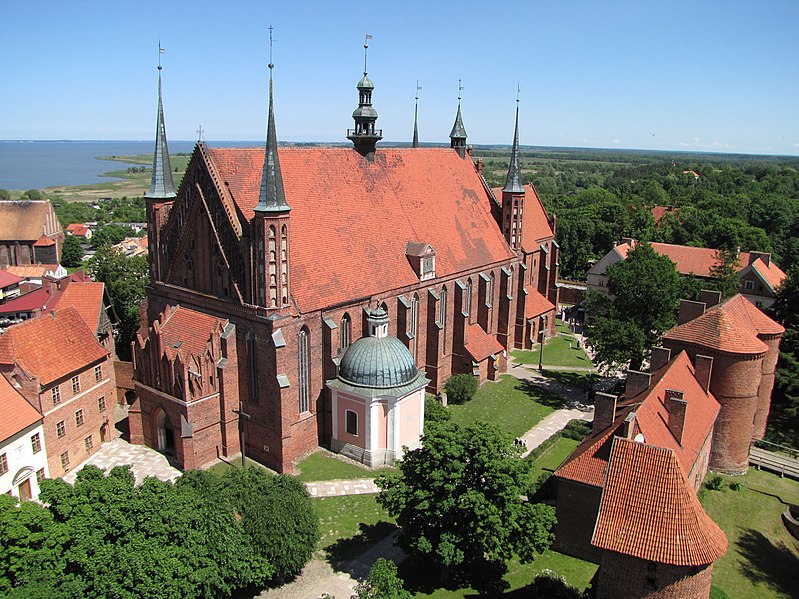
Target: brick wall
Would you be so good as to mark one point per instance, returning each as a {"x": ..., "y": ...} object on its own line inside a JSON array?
[
  {"x": 629, "y": 577},
  {"x": 766, "y": 384},
  {"x": 577, "y": 508}
]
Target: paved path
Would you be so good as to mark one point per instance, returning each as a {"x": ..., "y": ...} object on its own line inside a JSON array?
[
  {"x": 144, "y": 461},
  {"x": 335, "y": 488}
]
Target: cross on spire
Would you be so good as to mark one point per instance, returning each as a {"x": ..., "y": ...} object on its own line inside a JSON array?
[
  {"x": 460, "y": 89},
  {"x": 200, "y": 132}
]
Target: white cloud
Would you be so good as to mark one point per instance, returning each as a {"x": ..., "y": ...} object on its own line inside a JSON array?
[{"x": 616, "y": 141}]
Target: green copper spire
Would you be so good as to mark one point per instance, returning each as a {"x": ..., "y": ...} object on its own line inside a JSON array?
[
  {"x": 415, "y": 143},
  {"x": 457, "y": 137},
  {"x": 513, "y": 182},
  {"x": 161, "y": 185},
  {"x": 273, "y": 197}
]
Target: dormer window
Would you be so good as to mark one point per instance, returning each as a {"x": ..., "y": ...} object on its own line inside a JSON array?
[{"x": 422, "y": 257}]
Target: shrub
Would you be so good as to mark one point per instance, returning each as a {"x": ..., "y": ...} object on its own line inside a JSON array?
[
  {"x": 434, "y": 411},
  {"x": 383, "y": 583},
  {"x": 549, "y": 585},
  {"x": 577, "y": 430},
  {"x": 736, "y": 486},
  {"x": 714, "y": 482},
  {"x": 460, "y": 388}
]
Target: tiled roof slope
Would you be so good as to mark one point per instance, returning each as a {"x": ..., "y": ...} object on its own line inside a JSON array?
[
  {"x": 350, "y": 217},
  {"x": 535, "y": 223},
  {"x": 191, "y": 330},
  {"x": 652, "y": 414},
  {"x": 649, "y": 510},
  {"x": 7, "y": 279},
  {"x": 52, "y": 346},
  {"x": 770, "y": 273},
  {"x": 731, "y": 327},
  {"x": 23, "y": 221},
  {"x": 536, "y": 304},
  {"x": 87, "y": 298},
  {"x": 16, "y": 414},
  {"x": 588, "y": 462},
  {"x": 480, "y": 344},
  {"x": 33, "y": 300}
]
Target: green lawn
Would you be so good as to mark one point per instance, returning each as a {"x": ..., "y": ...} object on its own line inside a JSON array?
[
  {"x": 763, "y": 558},
  {"x": 514, "y": 405},
  {"x": 552, "y": 457},
  {"x": 560, "y": 351},
  {"x": 324, "y": 466},
  {"x": 222, "y": 467},
  {"x": 350, "y": 525}
]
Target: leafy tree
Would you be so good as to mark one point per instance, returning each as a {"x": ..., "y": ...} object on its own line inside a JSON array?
[
  {"x": 126, "y": 280},
  {"x": 644, "y": 298},
  {"x": 4, "y": 195},
  {"x": 71, "y": 252},
  {"x": 783, "y": 424},
  {"x": 458, "y": 500},
  {"x": 111, "y": 235},
  {"x": 32, "y": 194},
  {"x": 460, "y": 388},
  {"x": 434, "y": 412},
  {"x": 383, "y": 583},
  {"x": 725, "y": 273}
]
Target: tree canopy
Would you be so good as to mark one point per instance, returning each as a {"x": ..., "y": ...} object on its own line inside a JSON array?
[
  {"x": 458, "y": 499},
  {"x": 71, "y": 252},
  {"x": 783, "y": 423},
  {"x": 642, "y": 304},
  {"x": 382, "y": 583}
]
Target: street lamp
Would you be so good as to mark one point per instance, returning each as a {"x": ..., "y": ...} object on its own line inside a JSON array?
[{"x": 543, "y": 334}]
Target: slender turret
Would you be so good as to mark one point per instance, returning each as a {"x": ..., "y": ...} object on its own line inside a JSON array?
[
  {"x": 415, "y": 143},
  {"x": 513, "y": 194},
  {"x": 365, "y": 136},
  {"x": 161, "y": 185},
  {"x": 457, "y": 137}
]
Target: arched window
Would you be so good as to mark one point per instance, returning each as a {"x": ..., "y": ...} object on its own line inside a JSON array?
[
  {"x": 413, "y": 329},
  {"x": 510, "y": 282},
  {"x": 490, "y": 289},
  {"x": 442, "y": 315},
  {"x": 346, "y": 332},
  {"x": 467, "y": 297},
  {"x": 303, "y": 370},
  {"x": 252, "y": 370}
]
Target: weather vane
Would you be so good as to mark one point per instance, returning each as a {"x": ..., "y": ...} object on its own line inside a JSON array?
[
  {"x": 365, "y": 48},
  {"x": 460, "y": 89},
  {"x": 271, "y": 64},
  {"x": 418, "y": 89},
  {"x": 518, "y": 91},
  {"x": 160, "y": 52}
]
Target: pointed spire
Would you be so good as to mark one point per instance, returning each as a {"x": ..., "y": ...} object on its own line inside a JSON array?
[
  {"x": 415, "y": 143},
  {"x": 513, "y": 182},
  {"x": 457, "y": 137},
  {"x": 273, "y": 196},
  {"x": 161, "y": 185},
  {"x": 365, "y": 136}
]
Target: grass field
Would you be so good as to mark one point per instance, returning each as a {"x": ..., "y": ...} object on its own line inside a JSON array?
[
  {"x": 514, "y": 405},
  {"x": 552, "y": 457},
  {"x": 560, "y": 351},
  {"x": 325, "y": 466},
  {"x": 349, "y": 525},
  {"x": 763, "y": 558}
]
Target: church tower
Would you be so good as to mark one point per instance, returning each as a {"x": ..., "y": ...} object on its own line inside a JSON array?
[
  {"x": 457, "y": 137},
  {"x": 271, "y": 224},
  {"x": 161, "y": 194},
  {"x": 513, "y": 195},
  {"x": 365, "y": 136}
]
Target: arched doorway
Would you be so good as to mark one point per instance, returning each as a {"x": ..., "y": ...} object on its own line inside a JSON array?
[{"x": 165, "y": 433}]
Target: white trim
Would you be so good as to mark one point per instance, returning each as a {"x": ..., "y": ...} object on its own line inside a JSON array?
[{"x": 335, "y": 413}]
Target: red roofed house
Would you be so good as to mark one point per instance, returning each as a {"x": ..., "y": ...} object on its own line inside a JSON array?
[
  {"x": 760, "y": 276},
  {"x": 79, "y": 230},
  {"x": 58, "y": 366},
  {"x": 9, "y": 285},
  {"x": 90, "y": 300},
  {"x": 23, "y": 459},
  {"x": 292, "y": 245},
  {"x": 670, "y": 407},
  {"x": 744, "y": 344},
  {"x": 29, "y": 233},
  {"x": 656, "y": 540}
]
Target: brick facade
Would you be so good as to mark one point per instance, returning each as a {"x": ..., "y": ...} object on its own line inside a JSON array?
[
  {"x": 622, "y": 575},
  {"x": 577, "y": 506}
]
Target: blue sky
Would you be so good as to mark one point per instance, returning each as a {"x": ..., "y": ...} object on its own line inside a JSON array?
[{"x": 666, "y": 75}]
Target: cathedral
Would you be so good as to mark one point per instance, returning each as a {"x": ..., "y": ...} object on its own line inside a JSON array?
[{"x": 306, "y": 296}]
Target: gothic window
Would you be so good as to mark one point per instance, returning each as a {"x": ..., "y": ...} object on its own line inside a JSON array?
[
  {"x": 252, "y": 370},
  {"x": 284, "y": 263},
  {"x": 413, "y": 330},
  {"x": 188, "y": 271},
  {"x": 490, "y": 290},
  {"x": 345, "y": 332},
  {"x": 510, "y": 282},
  {"x": 467, "y": 297},
  {"x": 442, "y": 315},
  {"x": 303, "y": 374},
  {"x": 272, "y": 267}
]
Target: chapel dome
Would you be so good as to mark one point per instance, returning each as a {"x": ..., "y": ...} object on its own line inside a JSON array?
[{"x": 378, "y": 362}]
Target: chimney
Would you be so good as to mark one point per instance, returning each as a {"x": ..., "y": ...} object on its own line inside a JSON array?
[
  {"x": 604, "y": 410},
  {"x": 629, "y": 241},
  {"x": 689, "y": 310},
  {"x": 703, "y": 368},
  {"x": 710, "y": 297},
  {"x": 627, "y": 428},
  {"x": 659, "y": 358},
  {"x": 676, "y": 407},
  {"x": 637, "y": 382}
]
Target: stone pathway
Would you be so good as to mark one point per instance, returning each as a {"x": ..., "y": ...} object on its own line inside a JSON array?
[
  {"x": 144, "y": 461},
  {"x": 335, "y": 488}
]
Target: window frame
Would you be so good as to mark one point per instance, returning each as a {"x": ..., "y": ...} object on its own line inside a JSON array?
[
  {"x": 36, "y": 443},
  {"x": 76, "y": 384},
  {"x": 98, "y": 373},
  {"x": 55, "y": 394},
  {"x": 101, "y": 405},
  {"x": 61, "y": 429},
  {"x": 79, "y": 418},
  {"x": 88, "y": 442},
  {"x": 3, "y": 463},
  {"x": 347, "y": 422},
  {"x": 65, "y": 460}
]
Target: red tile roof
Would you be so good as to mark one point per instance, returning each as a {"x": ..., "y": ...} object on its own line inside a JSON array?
[
  {"x": 480, "y": 344},
  {"x": 731, "y": 327},
  {"x": 32, "y": 271},
  {"x": 588, "y": 462},
  {"x": 29, "y": 302},
  {"x": 652, "y": 414},
  {"x": 190, "y": 331},
  {"x": 77, "y": 229},
  {"x": 87, "y": 298},
  {"x": 650, "y": 511},
  {"x": 44, "y": 241},
  {"x": 7, "y": 279},
  {"x": 770, "y": 273},
  {"x": 52, "y": 346},
  {"x": 536, "y": 304},
  {"x": 350, "y": 217},
  {"x": 659, "y": 211},
  {"x": 16, "y": 414}
]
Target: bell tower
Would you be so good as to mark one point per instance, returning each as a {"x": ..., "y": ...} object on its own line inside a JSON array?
[
  {"x": 513, "y": 194},
  {"x": 365, "y": 136},
  {"x": 457, "y": 137}
]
